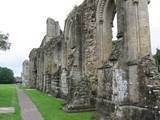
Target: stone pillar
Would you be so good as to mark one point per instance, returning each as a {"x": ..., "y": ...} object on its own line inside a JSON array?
[
  {"x": 32, "y": 68},
  {"x": 48, "y": 82},
  {"x": 136, "y": 35},
  {"x": 64, "y": 83},
  {"x": 44, "y": 72},
  {"x": 133, "y": 83},
  {"x": 41, "y": 70},
  {"x": 136, "y": 31}
]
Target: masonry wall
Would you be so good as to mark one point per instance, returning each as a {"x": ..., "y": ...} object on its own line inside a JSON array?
[
  {"x": 25, "y": 72},
  {"x": 45, "y": 61},
  {"x": 83, "y": 65}
]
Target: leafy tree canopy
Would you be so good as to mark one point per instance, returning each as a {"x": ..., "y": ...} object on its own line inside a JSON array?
[
  {"x": 4, "y": 44},
  {"x": 6, "y": 76},
  {"x": 157, "y": 58}
]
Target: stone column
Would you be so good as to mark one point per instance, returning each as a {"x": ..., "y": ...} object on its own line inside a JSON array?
[
  {"x": 136, "y": 31},
  {"x": 32, "y": 68},
  {"x": 41, "y": 70},
  {"x": 136, "y": 35},
  {"x": 45, "y": 71},
  {"x": 64, "y": 85}
]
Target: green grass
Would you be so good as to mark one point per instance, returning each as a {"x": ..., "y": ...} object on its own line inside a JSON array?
[
  {"x": 8, "y": 98},
  {"x": 50, "y": 107}
]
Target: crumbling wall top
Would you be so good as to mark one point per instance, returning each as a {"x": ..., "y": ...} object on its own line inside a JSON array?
[{"x": 53, "y": 28}]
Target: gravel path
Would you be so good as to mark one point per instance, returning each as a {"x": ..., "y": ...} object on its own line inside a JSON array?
[{"x": 28, "y": 109}]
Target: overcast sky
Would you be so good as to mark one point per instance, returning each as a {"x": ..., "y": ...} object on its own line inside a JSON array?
[{"x": 25, "y": 21}]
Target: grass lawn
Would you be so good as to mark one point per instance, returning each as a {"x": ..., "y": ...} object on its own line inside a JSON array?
[
  {"x": 8, "y": 98},
  {"x": 50, "y": 107}
]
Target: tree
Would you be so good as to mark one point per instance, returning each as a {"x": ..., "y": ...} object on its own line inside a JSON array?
[
  {"x": 157, "y": 58},
  {"x": 6, "y": 76},
  {"x": 4, "y": 44}
]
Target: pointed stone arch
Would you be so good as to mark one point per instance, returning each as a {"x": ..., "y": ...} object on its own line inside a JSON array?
[{"x": 106, "y": 11}]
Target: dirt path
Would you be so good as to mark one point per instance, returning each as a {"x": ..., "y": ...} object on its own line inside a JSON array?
[{"x": 28, "y": 109}]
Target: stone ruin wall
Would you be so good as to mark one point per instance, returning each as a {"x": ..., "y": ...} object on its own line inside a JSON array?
[
  {"x": 45, "y": 61},
  {"x": 79, "y": 34},
  {"x": 80, "y": 64},
  {"x": 25, "y": 72},
  {"x": 71, "y": 68}
]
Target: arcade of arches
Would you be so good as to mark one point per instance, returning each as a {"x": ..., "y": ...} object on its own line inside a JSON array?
[{"x": 118, "y": 80}]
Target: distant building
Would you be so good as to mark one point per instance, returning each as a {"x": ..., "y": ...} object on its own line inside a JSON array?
[{"x": 25, "y": 72}]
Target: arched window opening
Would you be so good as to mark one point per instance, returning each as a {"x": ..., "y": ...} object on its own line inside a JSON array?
[
  {"x": 114, "y": 32},
  {"x": 106, "y": 33},
  {"x": 114, "y": 28}
]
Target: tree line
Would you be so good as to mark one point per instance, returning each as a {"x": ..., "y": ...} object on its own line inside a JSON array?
[{"x": 6, "y": 76}]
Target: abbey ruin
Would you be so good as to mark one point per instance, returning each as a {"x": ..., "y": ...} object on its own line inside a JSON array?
[{"x": 117, "y": 79}]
